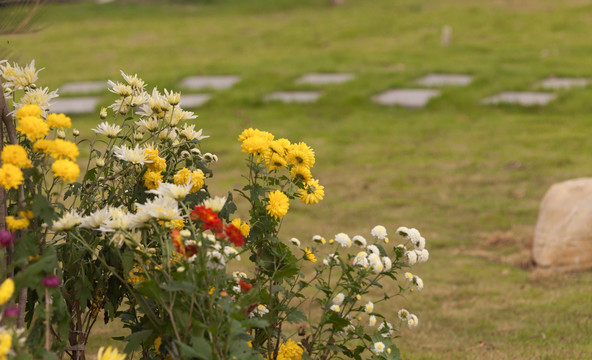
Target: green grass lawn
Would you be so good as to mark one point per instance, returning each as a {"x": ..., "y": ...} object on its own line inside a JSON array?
[{"x": 462, "y": 173}]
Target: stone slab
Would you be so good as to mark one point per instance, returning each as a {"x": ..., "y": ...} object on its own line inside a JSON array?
[
  {"x": 294, "y": 96},
  {"x": 77, "y": 105},
  {"x": 324, "y": 78},
  {"x": 445, "y": 80},
  {"x": 523, "y": 98},
  {"x": 83, "y": 87},
  {"x": 217, "y": 82},
  {"x": 556, "y": 83},
  {"x": 410, "y": 98},
  {"x": 189, "y": 101}
]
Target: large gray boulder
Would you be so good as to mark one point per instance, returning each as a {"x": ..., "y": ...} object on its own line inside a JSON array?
[{"x": 563, "y": 233}]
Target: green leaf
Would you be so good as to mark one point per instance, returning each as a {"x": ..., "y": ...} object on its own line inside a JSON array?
[
  {"x": 43, "y": 209},
  {"x": 35, "y": 271},
  {"x": 201, "y": 349},
  {"x": 174, "y": 285},
  {"x": 338, "y": 322},
  {"x": 135, "y": 339}
]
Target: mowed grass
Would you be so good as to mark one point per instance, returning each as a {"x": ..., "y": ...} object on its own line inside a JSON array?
[{"x": 466, "y": 175}]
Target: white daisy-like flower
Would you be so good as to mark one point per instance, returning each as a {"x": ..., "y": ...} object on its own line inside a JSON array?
[
  {"x": 359, "y": 240},
  {"x": 295, "y": 242},
  {"x": 411, "y": 257},
  {"x": 331, "y": 259},
  {"x": 369, "y": 307},
  {"x": 409, "y": 276},
  {"x": 215, "y": 260},
  {"x": 361, "y": 259},
  {"x": 420, "y": 244},
  {"x": 378, "y": 347},
  {"x": 422, "y": 256},
  {"x": 159, "y": 208},
  {"x": 172, "y": 97},
  {"x": 375, "y": 263},
  {"x": 158, "y": 102},
  {"x": 173, "y": 191},
  {"x": 168, "y": 134},
  {"x": 139, "y": 99},
  {"x": 412, "y": 321},
  {"x": 118, "y": 219},
  {"x": 67, "y": 221},
  {"x": 21, "y": 77},
  {"x": 39, "y": 96},
  {"x": 190, "y": 134},
  {"x": 238, "y": 275},
  {"x": 343, "y": 240},
  {"x": 335, "y": 308},
  {"x": 231, "y": 253},
  {"x": 108, "y": 130},
  {"x": 120, "y": 89},
  {"x": 388, "y": 329},
  {"x": 134, "y": 81},
  {"x": 414, "y": 236},
  {"x": 319, "y": 239},
  {"x": 388, "y": 264},
  {"x": 403, "y": 314},
  {"x": 95, "y": 219},
  {"x": 418, "y": 282},
  {"x": 148, "y": 125},
  {"x": 260, "y": 310},
  {"x": 215, "y": 204},
  {"x": 373, "y": 249},
  {"x": 379, "y": 232},
  {"x": 135, "y": 155},
  {"x": 372, "y": 320},
  {"x": 338, "y": 299}
]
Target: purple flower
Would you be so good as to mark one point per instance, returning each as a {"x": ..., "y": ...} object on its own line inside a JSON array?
[
  {"x": 6, "y": 238},
  {"x": 51, "y": 281},
  {"x": 11, "y": 311}
]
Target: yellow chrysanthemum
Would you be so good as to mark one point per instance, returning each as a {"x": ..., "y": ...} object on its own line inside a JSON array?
[
  {"x": 250, "y": 132},
  {"x": 26, "y": 214},
  {"x": 256, "y": 145},
  {"x": 59, "y": 148},
  {"x": 157, "y": 343},
  {"x": 301, "y": 173},
  {"x": 274, "y": 161},
  {"x": 156, "y": 164},
  {"x": 59, "y": 121},
  {"x": 6, "y": 291},
  {"x": 301, "y": 154},
  {"x": 309, "y": 255},
  {"x": 197, "y": 179},
  {"x": 151, "y": 179},
  {"x": 65, "y": 169},
  {"x": 290, "y": 351},
  {"x": 43, "y": 145},
  {"x": 178, "y": 224},
  {"x": 244, "y": 228},
  {"x": 33, "y": 127},
  {"x": 5, "y": 344},
  {"x": 312, "y": 192},
  {"x": 29, "y": 110},
  {"x": 10, "y": 176},
  {"x": 14, "y": 224},
  {"x": 278, "y": 204},
  {"x": 16, "y": 155},
  {"x": 109, "y": 354},
  {"x": 182, "y": 176}
]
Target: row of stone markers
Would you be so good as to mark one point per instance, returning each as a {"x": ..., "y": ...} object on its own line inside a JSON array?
[{"x": 405, "y": 97}]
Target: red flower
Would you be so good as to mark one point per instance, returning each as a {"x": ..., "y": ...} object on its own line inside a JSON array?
[
  {"x": 177, "y": 243},
  {"x": 190, "y": 250},
  {"x": 234, "y": 235},
  {"x": 245, "y": 286},
  {"x": 208, "y": 218}
]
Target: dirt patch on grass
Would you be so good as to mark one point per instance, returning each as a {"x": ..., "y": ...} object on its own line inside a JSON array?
[{"x": 512, "y": 247}]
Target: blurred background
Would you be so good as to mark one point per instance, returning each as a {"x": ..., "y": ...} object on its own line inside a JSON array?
[{"x": 470, "y": 176}]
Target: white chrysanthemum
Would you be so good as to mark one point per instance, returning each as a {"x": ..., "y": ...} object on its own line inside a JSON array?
[
  {"x": 134, "y": 81},
  {"x": 335, "y": 308},
  {"x": 369, "y": 307},
  {"x": 411, "y": 257},
  {"x": 22, "y": 77},
  {"x": 331, "y": 259},
  {"x": 158, "y": 102},
  {"x": 120, "y": 89},
  {"x": 422, "y": 256},
  {"x": 210, "y": 157},
  {"x": 67, "y": 221},
  {"x": 172, "y": 97},
  {"x": 379, "y": 232},
  {"x": 343, "y": 240},
  {"x": 338, "y": 299},
  {"x": 39, "y": 96},
  {"x": 386, "y": 328},
  {"x": 182, "y": 115},
  {"x": 409, "y": 276},
  {"x": 388, "y": 264},
  {"x": 375, "y": 263},
  {"x": 215, "y": 204},
  {"x": 231, "y": 253},
  {"x": 372, "y": 320},
  {"x": 190, "y": 134},
  {"x": 159, "y": 208},
  {"x": 260, "y": 310},
  {"x": 420, "y": 244},
  {"x": 215, "y": 260},
  {"x": 361, "y": 259},
  {"x": 359, "y": 240},
  {"x": 414, "y": 236},
  {"x": 118, "y": 219},
  {"x": 413, "y": 321},
  {"x": 173, "y": 191},
  {"x": 238, "y": 275},
  {"x": 148, "y": 125},
  {"x": 168, "y": 134},
  {"x": 378, "y": 347},
  {"x": 108, "y": 130},
  {"x": 418, "y": 282},
  {"x": 403, "y": 314},
  {"x": 318, "y": 239},
  {"x": 95, "y": 219},
  {"x": 139, "y": 99},
  {"x": 295, "y": 242},
  {"x": 373, "y": 249},
  {"x": 135, "y": 155}
]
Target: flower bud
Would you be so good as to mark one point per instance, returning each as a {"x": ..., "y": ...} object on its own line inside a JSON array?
[
  {"x": 100, "y": 162},
  {"x": 185, "y": 233},
  {"x": 51, "y": 281},
  {"x": 11, "y": 311},
  {"x": 76, "y": 132},
  {"x": 103, "y": 113},
  {"x": 138, "y": 136},
  {"x": 6, "y": 238},
  {"x": 61, "y": 134}
]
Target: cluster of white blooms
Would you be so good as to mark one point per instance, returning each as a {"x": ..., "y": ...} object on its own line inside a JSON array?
[
  {"x": 411, "y": 319},
  {"x": 24, "y": 78},
  {"x": 419, "y": 254},
  {"x": 260, "y": 310}
]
